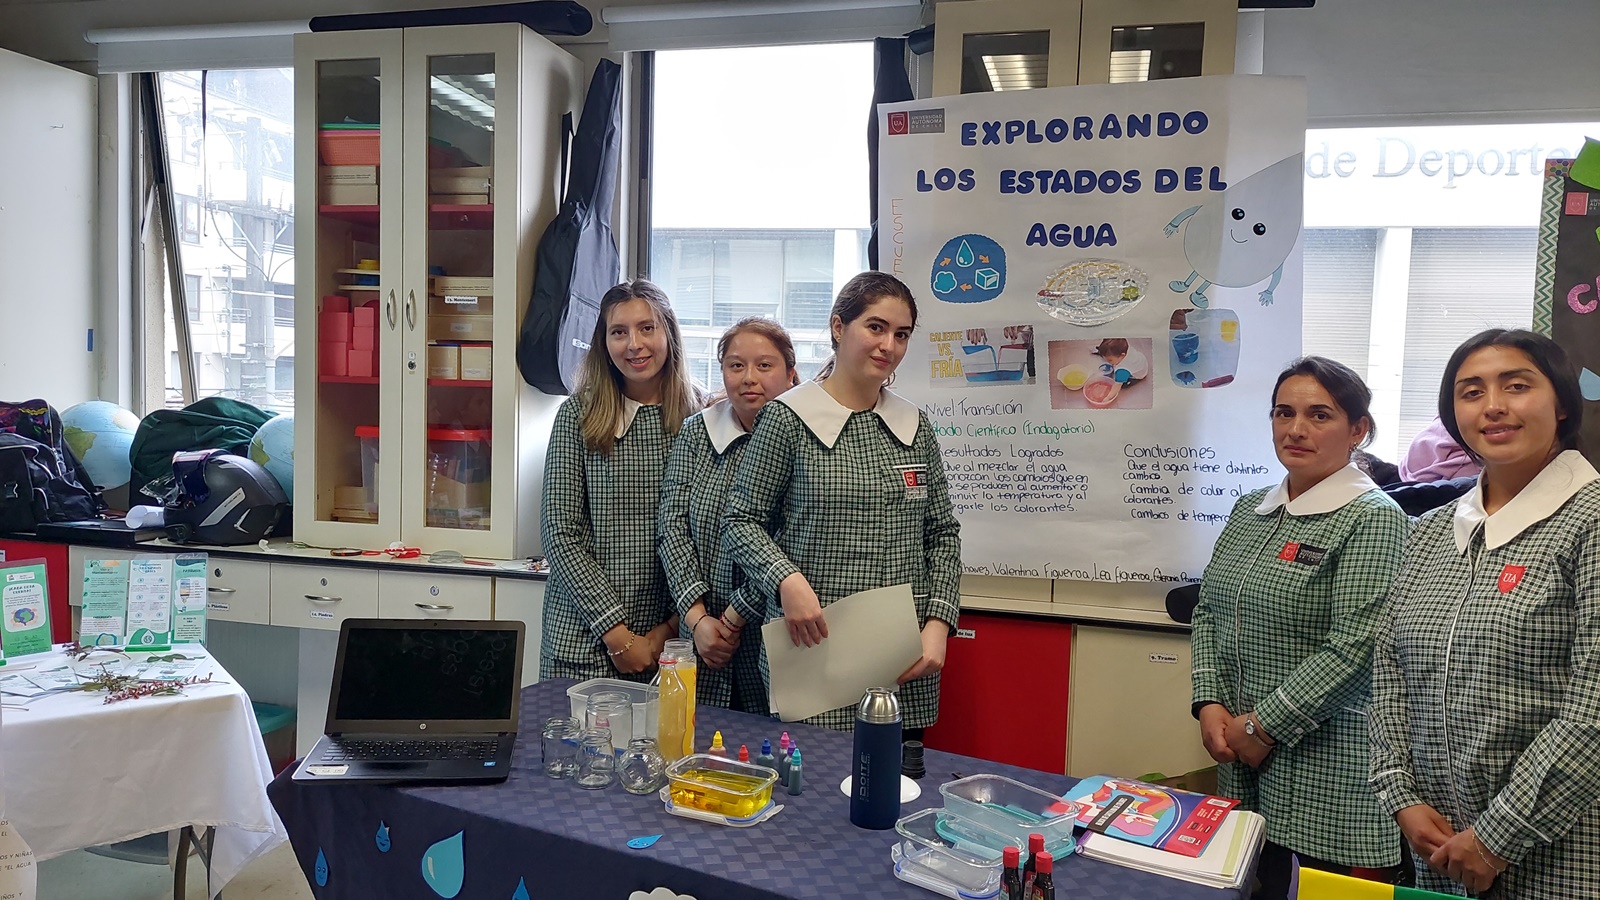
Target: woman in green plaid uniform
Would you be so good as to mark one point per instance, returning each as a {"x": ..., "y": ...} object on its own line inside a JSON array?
[
  {"x": 606, "y": 608},
  {"x": 757, "y": 360},
  {"x": 1486, "y": 675},
  {"x": 842, "y": 490},
  {"x": 1283, "y": 635}
]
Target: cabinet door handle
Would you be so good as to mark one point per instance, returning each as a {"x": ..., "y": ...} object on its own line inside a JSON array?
[
  {"x": 315, "y": 599},
  {"x": 389, "y": 309},
  {"x": 411, "y": 310},
  {"x": 434, "y": 607},
  {"x": 217, "y": 590}
]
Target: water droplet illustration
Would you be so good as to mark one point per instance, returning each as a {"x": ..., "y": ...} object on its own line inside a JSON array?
[
  {"x": 642, "y": 843},
  {"x": 322, "y": 869},
  {"x": 444, "y": 866},
  {"x": 521, "y": 893},
  {"x": 964, "y": 255},
  {"x": 1589, "y": 382},
  {"x": 383, "y": 837}
]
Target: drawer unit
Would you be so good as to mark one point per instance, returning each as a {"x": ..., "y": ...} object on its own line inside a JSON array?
[
  {"x": 310, "y": 596},
  {"x": 239, "y": 590},
  {"x": 425, "y": 595}
]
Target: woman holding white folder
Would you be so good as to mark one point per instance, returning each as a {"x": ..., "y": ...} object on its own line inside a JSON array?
[{"x": 843, "y": 490}]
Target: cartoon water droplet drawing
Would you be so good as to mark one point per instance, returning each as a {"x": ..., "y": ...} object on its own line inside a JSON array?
[
  {"x": 322, "y": 870},
  {"x": 1589, "y": 382},
  {"x": 444, "y": 866},
  {"x": 521, "y": 893},
  {"x": 965, "y": 256},
  {"x": 383, "y": 837},
  {"x": 644, "y": 843},
  {"x": 1243, "y": 236}
]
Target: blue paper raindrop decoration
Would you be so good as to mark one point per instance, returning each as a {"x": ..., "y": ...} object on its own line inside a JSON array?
[
  {"x": 644, "y": 843},
  {"x": 444, "y": 866},
  {"x": 322, "y": 869},
  {"x": 1589, "y": 382},
  {"x": 521, "y": 893},
  {"x": 383, "y": 837}
]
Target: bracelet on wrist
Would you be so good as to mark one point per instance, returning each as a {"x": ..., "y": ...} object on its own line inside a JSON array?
[{"x": 625, "y": 647}]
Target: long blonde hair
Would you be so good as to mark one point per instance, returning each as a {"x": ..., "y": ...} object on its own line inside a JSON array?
[{"x": 600, "y": 384}]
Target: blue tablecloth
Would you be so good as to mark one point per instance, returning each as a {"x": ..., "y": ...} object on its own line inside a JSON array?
[{"x": 551, "y": 839}]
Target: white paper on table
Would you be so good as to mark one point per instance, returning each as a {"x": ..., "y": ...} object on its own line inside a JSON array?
[
  {"x": 18, "y": 878},
  {"x": 146, "y": 517},
  {"x": 872, "y": 638}
]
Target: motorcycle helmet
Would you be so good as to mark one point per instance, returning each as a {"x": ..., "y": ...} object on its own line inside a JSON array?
[{"x": 222, "y": 499}]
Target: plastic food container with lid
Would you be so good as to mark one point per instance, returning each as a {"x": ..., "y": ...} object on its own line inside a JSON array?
[
  {"x": 1014, "y": 810},
  {"x": 716, "y": 784},
  {"x": 949, "y": 854}
]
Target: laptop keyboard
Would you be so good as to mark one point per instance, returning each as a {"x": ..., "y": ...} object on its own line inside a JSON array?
[{"x": 376, "y": 751}]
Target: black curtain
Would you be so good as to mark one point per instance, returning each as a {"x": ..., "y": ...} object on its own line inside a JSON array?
[{"x": 890, "y": 84}]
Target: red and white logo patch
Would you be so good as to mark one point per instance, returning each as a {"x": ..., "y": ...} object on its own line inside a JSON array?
[
  {"x": 1510, "y": 577},
  {"x": 899, "y": 123},
  {"x": 1290, "y": 551}
]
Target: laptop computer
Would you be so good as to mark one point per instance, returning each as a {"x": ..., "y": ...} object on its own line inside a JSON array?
[{"x": 420, "y": 700}]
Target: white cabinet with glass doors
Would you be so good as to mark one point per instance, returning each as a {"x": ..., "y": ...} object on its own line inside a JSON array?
[{"x": 428, "y": 163}]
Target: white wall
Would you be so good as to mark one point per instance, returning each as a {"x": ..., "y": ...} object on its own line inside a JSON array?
[{"x": 50, "y": 122}]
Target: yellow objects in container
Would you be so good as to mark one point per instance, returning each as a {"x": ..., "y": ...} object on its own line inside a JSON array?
[
  {"x": 675, "y": 704},
  {"x": 722, "y": 786}
]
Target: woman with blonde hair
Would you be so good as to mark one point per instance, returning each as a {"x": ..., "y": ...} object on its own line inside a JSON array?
[
  {"x": 606, "y": 609},
  {"x": 758, "y": 363}
]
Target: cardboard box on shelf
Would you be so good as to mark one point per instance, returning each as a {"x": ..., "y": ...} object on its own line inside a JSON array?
[
  {"x": 461, "y": 328},
  {"x": 350, "y": 496},
  {"x": 470, "y": 285},
  {"x": 350, "y": 194},
  {"x": 457, "y": 504},
  {"x": 347, "y": 175},
  {"x": 333, "y": 358},
  {"x": 485, "y": 172},
  {"x": 444, "y": 361},
  {"x": 459, "y": 199},
  {"x": 477, "y": 362},
  {"x": 362, "y": 364},
  {"x": 364, "y": 317},
  {"x": 363, "y": 339},
  {"x": 458, "y": 184}
]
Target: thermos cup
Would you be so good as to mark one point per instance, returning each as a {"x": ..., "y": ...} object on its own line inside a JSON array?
[{"x": 875, "y": 766}]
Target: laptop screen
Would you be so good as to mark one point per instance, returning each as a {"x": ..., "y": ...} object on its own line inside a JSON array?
[{"x": 428, "y": 674}]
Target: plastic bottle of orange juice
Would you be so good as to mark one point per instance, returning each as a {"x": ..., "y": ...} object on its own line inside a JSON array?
[{"x": 675, "y": 710}]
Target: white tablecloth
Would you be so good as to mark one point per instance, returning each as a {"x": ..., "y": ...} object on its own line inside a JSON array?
[{"x": 81, "y": 772}]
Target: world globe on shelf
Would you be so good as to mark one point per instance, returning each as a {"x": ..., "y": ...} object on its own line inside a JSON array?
[
  {"x": 273, "y": 448},
  {"x": 100, "y": 434}
]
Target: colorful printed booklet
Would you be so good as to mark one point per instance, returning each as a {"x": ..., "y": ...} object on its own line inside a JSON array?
[{"x": 1165, "y": 818}]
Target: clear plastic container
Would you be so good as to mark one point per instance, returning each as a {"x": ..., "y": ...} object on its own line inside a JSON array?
[
  {"x": 719, "y": 785},
  {"x": 943, "y": 846},
  {"x": 368, "y": 436},
  {"x": 641, "y": 695},
  {"x": 1014, "y": 810},
  {"x": 458, "y": 478},
  {"x": 676, "y": 680}
]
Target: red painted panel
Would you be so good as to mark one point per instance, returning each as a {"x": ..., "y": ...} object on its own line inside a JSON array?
[{"x": 55, "y": 570}]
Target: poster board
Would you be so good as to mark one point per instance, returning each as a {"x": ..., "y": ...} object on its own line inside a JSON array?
[
  {"x": 1109, "y": 281},
  {"x": 144, "y": 602},
  {"x": 1574, "y": 285}
]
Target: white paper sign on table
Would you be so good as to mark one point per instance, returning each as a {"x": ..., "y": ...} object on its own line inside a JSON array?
[{"x": 872, "y": 638}]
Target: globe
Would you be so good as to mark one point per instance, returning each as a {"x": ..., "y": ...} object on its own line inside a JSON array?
[
  {"x": 273, "y": 448},
  {"x": 100, "y": 434}
]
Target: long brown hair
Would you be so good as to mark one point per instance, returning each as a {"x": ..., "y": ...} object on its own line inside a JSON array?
[
  {"x": 765, "y": 327},
  {"x": 600, "y": 384},
  {"x": 857, "y": 294}
]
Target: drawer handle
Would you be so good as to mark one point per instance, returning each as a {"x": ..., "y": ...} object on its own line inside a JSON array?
[
  {"x": 217, "y": 590},
  {"x": 315, "y": 599},
  {"x": 434, "y": 607}
]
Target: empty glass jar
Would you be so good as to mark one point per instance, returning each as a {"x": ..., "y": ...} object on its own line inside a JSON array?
[
  {"x": 641, "y": 768},
  {"x": 597, "y": 761},
  {"x": 560, "y": 746},
  {"x": 613, "y": 710}
]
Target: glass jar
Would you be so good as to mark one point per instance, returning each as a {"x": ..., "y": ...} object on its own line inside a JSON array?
[
  {"x": 641, "y": 768},
  {"x": 597, "y": 762},
  {"x": 613, "y": 710},
  {"x": 560, "y": 746}
]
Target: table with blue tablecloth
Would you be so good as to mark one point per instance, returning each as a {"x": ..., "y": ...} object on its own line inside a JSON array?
[{"x": 536, "y": 837}]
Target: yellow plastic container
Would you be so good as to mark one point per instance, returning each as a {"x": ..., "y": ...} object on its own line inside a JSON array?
[{"x": 722, "y": 786}]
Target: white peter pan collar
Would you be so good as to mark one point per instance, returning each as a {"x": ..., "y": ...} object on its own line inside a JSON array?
[
  {"x": 722, "y": 426},
  {"x": 630, "y": 408},
  {"x": 1547, "y": 492},
  {"x": 825, "y": 416},
  {"x": 1325, "y": 496}
]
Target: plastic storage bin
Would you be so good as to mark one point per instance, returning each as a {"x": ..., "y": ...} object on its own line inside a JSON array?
[
  {"x": 1014, "y": 810},
  {"x": 642, "y": 695},
  {"x": 943, "y": 847},
  {"x": 716, "y": 784},
  {"x": 368, "y": 436},
  {"x": 458, "y": 478}
]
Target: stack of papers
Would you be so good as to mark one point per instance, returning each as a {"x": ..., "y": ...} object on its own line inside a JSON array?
[{"x": 1226, "y": 862}]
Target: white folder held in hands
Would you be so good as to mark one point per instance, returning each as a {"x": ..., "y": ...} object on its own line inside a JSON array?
[{"x": 873, "y": 637}]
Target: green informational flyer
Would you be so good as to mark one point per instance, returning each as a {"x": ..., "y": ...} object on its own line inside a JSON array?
[
  {"x": 149, "y": 602},
  {"x": 25, "y": 603},
  {"x": 105, "y": 602},
  {"x": 189, "y": 599}
]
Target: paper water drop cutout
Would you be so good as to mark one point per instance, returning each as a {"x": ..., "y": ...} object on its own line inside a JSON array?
[
  {"x": 322, "y": 870},
  {"x": 965, "y": 256},
  {"x": 644, "y": 843},
  {"x": 444, "y": 867},
  {"x": 1589, "y": 383},
  {"x": 521, "y": 893},
  {"x": 383, "y": 837}
]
